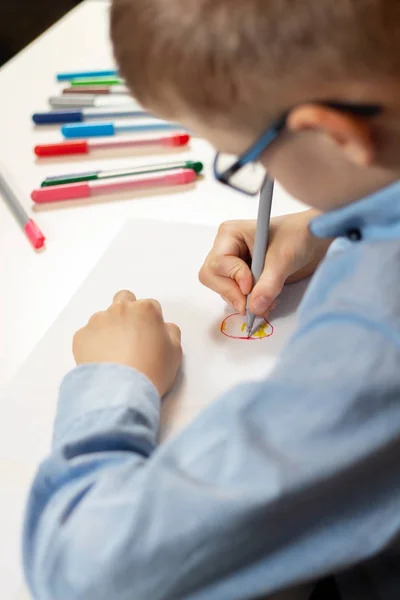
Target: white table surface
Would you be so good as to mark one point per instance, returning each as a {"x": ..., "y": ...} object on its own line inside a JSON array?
[{"x": 35, "y": 287}]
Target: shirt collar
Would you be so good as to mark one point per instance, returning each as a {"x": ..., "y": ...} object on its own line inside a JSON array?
[{"x": 376, "y": 217}]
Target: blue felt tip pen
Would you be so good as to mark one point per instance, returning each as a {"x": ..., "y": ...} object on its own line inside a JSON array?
[
  {"x": 83, "y": 130},
  {"x": 58, "y": 117},
  {"x": 86, "y": 74}
]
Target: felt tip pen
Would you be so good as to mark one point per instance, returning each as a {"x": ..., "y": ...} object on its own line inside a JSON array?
[
  {"x": 78, "y": 101},
  {"x": 28, "y": 226},
  {"x": 57, "y": 117},
  {"x": 86, "y": 75},
  {"x": 97, "y": 81},
  {"x": 197, "y": 167},
  {"x": 80, "y": 191},
  {"x": 83, "y": 130},
  {"x": 98, "y": 89},
  {"x": 87, "y": 146},
  {"x": 260, "y": 244}
]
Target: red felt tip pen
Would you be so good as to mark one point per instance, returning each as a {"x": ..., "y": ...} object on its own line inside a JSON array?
[
  {"x": 79, "y": 191},
  {"x": 29, "y": 227},
  {"x": 87, "y": 146}
]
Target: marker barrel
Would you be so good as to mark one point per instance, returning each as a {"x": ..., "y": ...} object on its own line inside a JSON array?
[
  {"x": 59, "y": 117},
  {"x": 84, "y": 147},
  {"x": 62, "y": 149},
  {"x": 80, "y": 191},
  {"x": 89, "y": 130},
  {"x": 86, "y": 75}
]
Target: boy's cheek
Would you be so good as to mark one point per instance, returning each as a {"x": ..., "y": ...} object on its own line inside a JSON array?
[
  {"x": 306, "y": 167},
  {"x": 295, "y": 174}
]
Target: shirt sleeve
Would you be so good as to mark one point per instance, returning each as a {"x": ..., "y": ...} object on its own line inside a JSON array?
[{"x": 277, "y": 483}]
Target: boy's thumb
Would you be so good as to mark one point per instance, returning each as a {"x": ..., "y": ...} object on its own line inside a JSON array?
[{"x": 270, "y": 284}]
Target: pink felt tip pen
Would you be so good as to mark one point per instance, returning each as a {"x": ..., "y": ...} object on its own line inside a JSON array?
[
  {"x": 28, "y": 225},
  {"x": 87, "y": 146},
  {"x": 80, "y": 191}
]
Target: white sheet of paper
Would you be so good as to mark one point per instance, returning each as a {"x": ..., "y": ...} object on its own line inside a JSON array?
[{"x": 153, "y": 259}]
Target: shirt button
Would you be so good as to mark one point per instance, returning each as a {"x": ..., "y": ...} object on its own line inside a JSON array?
[{"x": 354, "y": 235}]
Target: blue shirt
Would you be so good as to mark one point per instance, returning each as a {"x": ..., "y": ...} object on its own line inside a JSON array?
[{"x": 275, "y": 484}]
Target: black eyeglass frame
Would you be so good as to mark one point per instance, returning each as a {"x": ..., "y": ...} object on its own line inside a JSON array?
[{"x": 253, "y": 153}]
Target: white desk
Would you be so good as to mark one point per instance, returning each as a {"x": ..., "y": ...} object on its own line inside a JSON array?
[{"x": 35, "y": 287}]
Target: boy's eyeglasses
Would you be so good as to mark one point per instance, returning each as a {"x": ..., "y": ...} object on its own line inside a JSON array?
[{"x": 245, "y": 174}]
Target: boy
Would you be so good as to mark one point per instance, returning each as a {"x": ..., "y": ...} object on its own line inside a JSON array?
[{"x": 275, "y": 485}]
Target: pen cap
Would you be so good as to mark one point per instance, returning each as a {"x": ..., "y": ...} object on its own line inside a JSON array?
[
  {"x": 196, "y": 166},
  {"x": 86, "y": 74},
  {"x": 90, "y": 130},
  {"x": 71, "y": 102},
  {"x": 61, "y": 192},
  {"x": 90, "y": 89},
  {"x": 57, "y": 117},
  {"x": 181, "y": 139},
  {"x": 34, "y": 235},
  {"x": 62, "y": 149}
]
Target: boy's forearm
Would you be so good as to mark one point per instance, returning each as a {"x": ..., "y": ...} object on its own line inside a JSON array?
[
  {"x": 90, "y": 391},
  {"x": 107, "y": 415}
]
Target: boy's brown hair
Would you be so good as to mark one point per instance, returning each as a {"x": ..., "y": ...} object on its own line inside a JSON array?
[{"x": 244, "y": 61}]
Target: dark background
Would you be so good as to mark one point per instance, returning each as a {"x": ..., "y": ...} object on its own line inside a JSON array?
[{"x": 21, "y": 21}]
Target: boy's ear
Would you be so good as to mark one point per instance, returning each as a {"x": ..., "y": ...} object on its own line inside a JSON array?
[{"x": 350, "y": 133}]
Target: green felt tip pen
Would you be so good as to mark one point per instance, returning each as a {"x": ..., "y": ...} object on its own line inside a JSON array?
[
  {"x": 96, "y": 175},
  {"x": 97, "y": 81}
]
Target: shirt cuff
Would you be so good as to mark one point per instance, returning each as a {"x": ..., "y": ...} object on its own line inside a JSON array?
[
  {"x": 339, "y": 245},
  {"x": 104, "y": 387}
]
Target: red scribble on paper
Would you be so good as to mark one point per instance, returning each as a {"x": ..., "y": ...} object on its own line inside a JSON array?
[{"x": 231, "y": 329}]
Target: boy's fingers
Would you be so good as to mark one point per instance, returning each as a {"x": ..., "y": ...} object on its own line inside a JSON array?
[
  {"x": 149, "y": 306},
  {"x": 231, "y": 267},
  {"x": 236, "y": 300},
  {"x": 97, "y": 318},
  {"x": 228, "y": 276},
  {"x": 174, "y": 332},
  {"x": 124, "y": 296},
  {"x": 277, "y": 269},
  {"x": 264, "y": 295},
  {"x": 228, "y": 290}
]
